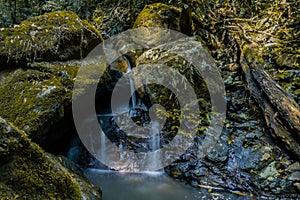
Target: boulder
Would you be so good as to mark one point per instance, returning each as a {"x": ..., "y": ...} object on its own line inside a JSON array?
[
  {"x": 159, "y": 15},
  {"x": 29, "y": 172},
  {"x": 56, "y": 36},
  {"x": 162, "y": 57},
  {"x": 38, "y": 98}
]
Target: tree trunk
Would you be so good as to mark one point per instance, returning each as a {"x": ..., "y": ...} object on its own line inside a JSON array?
[{"x": 282, "y": 113}]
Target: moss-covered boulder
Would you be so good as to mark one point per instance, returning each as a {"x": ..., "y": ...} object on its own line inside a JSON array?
[
  {"x": 36, "y": 99},
  {"x": 162, "y": 57},
  {"x": 56, "y": 36},
  {"x": 28, "y": 172},
  {"x": 159, "y": 15}
]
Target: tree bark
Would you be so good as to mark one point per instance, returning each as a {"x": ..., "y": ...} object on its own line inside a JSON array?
[{"x": 282, "y": 113}]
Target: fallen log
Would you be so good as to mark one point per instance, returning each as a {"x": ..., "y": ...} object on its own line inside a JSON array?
[{"x": 281, "y": 112}]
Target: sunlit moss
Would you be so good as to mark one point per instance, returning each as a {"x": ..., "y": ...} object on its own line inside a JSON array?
[
  {"x": 29, "y": 172},
  {"x": 34, "y": 99},
  {"x": 53, "y": 36},
  {"x": 159, "y": 15}
]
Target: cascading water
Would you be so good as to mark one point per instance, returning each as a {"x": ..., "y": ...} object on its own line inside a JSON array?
[
  {"x": 132, "y": 89},
  {"x": 125, "y": 183},
  {"x": 129, "y": 111},
  {"x": 103, "y": 144},
  {"x": 155, "y": 159}
]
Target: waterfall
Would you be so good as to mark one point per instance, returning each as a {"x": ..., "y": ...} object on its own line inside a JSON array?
[
  {"x": 132, "y": 89},
  {"x": 137, "y": 111},
  {"x": 155, "y": 159},
  {"x": 102, "y": 145}
]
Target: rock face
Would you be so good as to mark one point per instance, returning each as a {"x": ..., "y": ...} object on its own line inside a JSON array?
[
  {"x": 29, "y": 172},
  {"x": 56, "y": 36}
]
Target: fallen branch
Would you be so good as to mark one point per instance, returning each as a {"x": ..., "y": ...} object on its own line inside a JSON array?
[{"x": 282, "y": 114}]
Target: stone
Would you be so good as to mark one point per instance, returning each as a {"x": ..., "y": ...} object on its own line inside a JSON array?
[
  {"x": 219, "y": 153},
  {"x": 159, "y": 15},
  {"x": 56, "y": 36},
  {"x": 294, "y": 167},
  {"x": 253, "y": 158},
  {"x": 297, "y": 186},
  {"x": 36, "y": 99},
  {"x": 295, "y": 176},
  {"x": 29, "y": 172},
  {"x": 269, "y": 172},
  {"x": 165, "y": 59}
]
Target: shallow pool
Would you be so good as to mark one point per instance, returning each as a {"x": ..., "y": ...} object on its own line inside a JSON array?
[{"x": 147, "y": 186}]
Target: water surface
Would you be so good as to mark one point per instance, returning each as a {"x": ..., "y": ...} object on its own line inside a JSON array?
[{"x": 147, "y": 186}]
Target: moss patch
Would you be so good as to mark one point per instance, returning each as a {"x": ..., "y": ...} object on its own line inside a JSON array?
[
  {"x": 56, "y": 36},
  {"x": 31, "y": 173},
  {"x": 35, "y": 99},
  {"x": 159, "y": 15}
]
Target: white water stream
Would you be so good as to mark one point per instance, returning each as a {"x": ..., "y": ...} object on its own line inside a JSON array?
[{"x": 153, "y": 185}]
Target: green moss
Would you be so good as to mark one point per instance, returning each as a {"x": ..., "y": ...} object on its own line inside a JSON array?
[
  {"x": 159, "y": 15},
  {"x": 252, "y": 56},
  {"x": 35, "y": 99},
  {"x": 167, "y": 98},
  {"x": 7, "y": 193},
  {"x": 58, "y": 36},
  {"x": 29, "y": 171}
]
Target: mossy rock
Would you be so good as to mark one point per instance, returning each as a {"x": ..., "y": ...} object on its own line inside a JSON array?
[
  {"x": 162, "y": 57},
  {"x": 38, "y": 99},
  {"x": 27, "y": 172},
  {"x": 56, "y": 36},
  {"x": 34, "y": 100},
  {"x": 177, "y": 81},
  {"x": 6, "y": 192},
  {"x": 159, "y": 15}
]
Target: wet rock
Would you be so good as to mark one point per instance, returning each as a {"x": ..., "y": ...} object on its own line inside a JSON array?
[
  {"x": 297, "y": 186},
  {"x": 165, "y": 59},
  {"x": 295, "y": 176},
  {"x": 199, "y": 170},
  {"x": 184, "y": 168},
  {"x": 294, "y": 167},
  {"x": 254, "y": 135},
  {"x": 56, "y": 36},
  {"x": 271, "y": 179},
  {"x": 29, "y": 172},
  {"x": 247, "y": 124},
  {"x": 253, "y": 158},
  {"x": 269, "y": 172},
  {"x": 250, "y": 152},
  {"x": 219, "y": 153}
]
